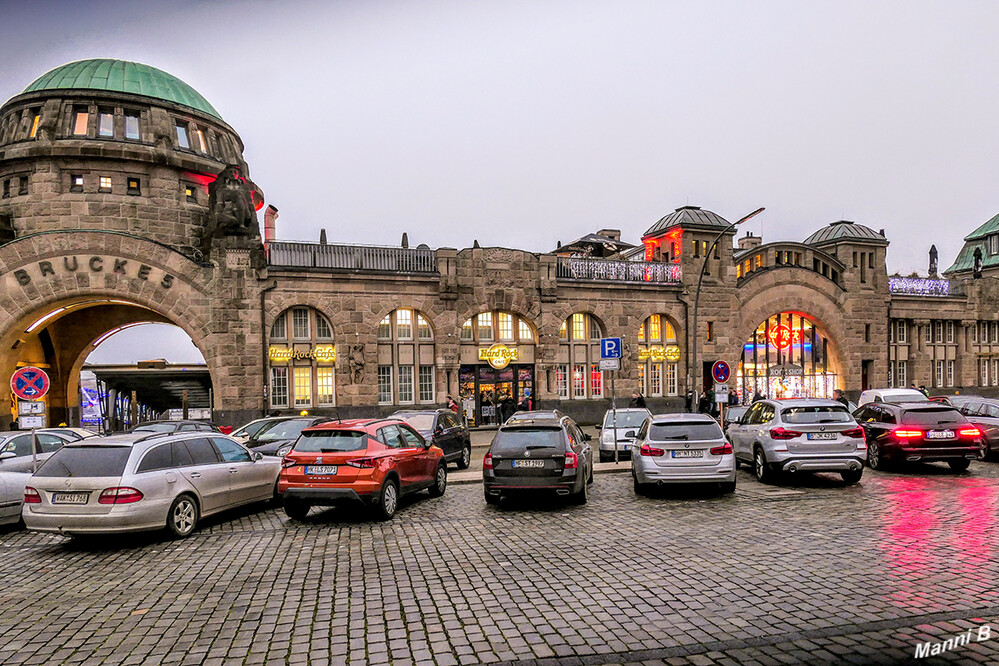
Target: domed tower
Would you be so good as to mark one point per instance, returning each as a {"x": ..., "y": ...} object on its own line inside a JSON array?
[{"x": 110, "y": 145}]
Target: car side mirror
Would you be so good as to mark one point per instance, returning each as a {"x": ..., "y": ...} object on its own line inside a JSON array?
[
  {"x": 8, "y": 454},
  {"x": 631, "y": 433},
  {"x": 258, "y": 456},
  {"x": 587, "y": 437},
  {"x": 438, "y": 430}
]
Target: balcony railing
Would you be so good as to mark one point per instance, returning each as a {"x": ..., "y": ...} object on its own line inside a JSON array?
[
  {"x": 909, "y": 286},
  {"x": 352, "y": 257},
  {"x": 572, "y": 268}
]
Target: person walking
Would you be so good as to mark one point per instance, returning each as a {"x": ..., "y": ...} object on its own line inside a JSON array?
[
  {"x": 452, "y": 405},
  {"x": 636, "y": 400},
  {"x": 839, "y": 397}
]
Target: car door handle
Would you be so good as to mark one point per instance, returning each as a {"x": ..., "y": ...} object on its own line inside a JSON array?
[
  {"x": 195, "y": 475},
  {"x": 233, "y": 470}
]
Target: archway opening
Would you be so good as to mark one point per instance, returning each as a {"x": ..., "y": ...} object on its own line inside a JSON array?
[{"x": 789, "y": 355}]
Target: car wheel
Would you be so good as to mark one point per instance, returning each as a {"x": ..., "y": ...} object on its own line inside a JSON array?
[
  {"x": 589, "y": 479},
  {"x": 296, "y": 510},
  {"x": 606, "y": 457},
  {"x": 959, "y": 465},
  {"x": 183, "y": 516},
  {"x": 727, "y": 488},
  {"x": 580, "y": 497},
  {"x": 874, "y": 459},
  {"x": 387, "y": 501},
  {"x": 440, "y": 481},
  {"x": 491, "y": 499},
  {"x": 639, "y": 487},
  {"x": 852, "y": 476},
  {"x": 466, "y": 457},
  {"x": 763, "y": 472}
]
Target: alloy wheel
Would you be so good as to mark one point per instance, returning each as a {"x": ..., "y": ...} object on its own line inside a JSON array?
[
  {"x": 183, "y": 516},
  {"x": 390, "y": 499},
  {"x": 873, "y": 456}
]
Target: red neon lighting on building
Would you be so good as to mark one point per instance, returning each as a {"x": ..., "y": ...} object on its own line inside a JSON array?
[{"x": 783, "y": 337}]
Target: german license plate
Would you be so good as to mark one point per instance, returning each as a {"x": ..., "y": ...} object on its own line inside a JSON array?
[
  {"x": 687, "y": 454},
  {"x": 821, "y": 435},
  {"x": 324, "y": 470},
  {"x": 528, "y": 463},
  {"x": 940, "y": 434},
  {"x": 70, "y": 498}
]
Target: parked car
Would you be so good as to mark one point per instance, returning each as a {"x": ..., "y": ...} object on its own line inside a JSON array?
[
  {"x": 442, "y": 428},
  {"x": 15, "y": 449},
  {"x": 276, "y": 437},
  {"x": 71, "y": 434},
  {"x": 614, "y": 432},
  {"x": 126, "y": 483},
  {"x": 12, "y": 496},
  {"x": 538, "y": 451},
  {"x": 891, "y": 395},
  {"x": 799, "y": 435},
  {"x": 245, "y": 432},
  {"x": 175, "y": 426},
  {"x": 682, "y": 448},
  {"x": 984, "y": 414},
  {"x": 734, "y": 414},
  {"x": 372, "y": 461},
  {"x": 926, "y": 432}
]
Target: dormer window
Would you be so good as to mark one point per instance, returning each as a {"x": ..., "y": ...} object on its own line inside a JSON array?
[
  {"x": 994, "y": 244},
  {"x": 182, "y": 140}
]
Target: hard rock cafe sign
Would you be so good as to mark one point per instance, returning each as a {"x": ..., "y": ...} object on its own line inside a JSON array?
[
  {"x": 655, "y": 354},
  {"x": 499, "y": 356},
  {"x": 321, "y": 353},
  {"x": 783, "y": 336}
]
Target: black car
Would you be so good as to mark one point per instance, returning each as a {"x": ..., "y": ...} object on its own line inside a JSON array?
[
  {"x": 444, "y": 429},
  {"x": 176, "y": 426},
  {"x": 918, "y": 431},
  {"x": 538, "y": 451},
  {"x": 277, "y": 436},
  {"x": 984, "y": 413}
]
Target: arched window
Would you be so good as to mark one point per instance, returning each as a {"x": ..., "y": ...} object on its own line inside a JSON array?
[
  {"x": 496, "y": 376},
  {"x": 658, "y": 355},
  {"x": 302, "y": 359},
  {"x": 406, "y": 359},
  {"x": 577, "y": 374},
  {"x": 490, "y": 327}
]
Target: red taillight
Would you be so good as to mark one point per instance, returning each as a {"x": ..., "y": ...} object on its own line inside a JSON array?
[
  {"x": 781, "y": 433},
  {"x": 31, "y": 496},
  {"x": 647, "y": 450},
  {"x": 288, "y": 462},
  {"x": 122, "y": 495},
  {"x": 571, "y": 460},
  {"x": 722, "y": 450},
  {"x": 970, "y": 432},
  {"x": 856, "y": 433},
  {"x": 362, "y": 462},
  {"x": 487, "y": 461},
  {"x": 905, "y": 433}
]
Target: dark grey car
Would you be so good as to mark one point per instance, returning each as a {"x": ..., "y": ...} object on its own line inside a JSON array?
[
  {"x": 278, "y": 436},
  {"x": 444, "y": 429}
]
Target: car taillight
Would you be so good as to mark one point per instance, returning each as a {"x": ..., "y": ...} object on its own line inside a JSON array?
[
  {"x": 288, "y": 462},
  {"x": 122, "y": 495},
  {"x": 722, "y": 450},
  {"x": 31, "y": 496},
  {"x": 487, "y": 461},
  {"x": 781, "y": 433},
  {"x": 362, "y": 462},
  {"x": 906, "y": 433},
  {"x": 647, "y": 450},
  {"x": 970, "y": 432},
  {"x": 571, "y": 460},
  {"x": 857, "y": 432}
]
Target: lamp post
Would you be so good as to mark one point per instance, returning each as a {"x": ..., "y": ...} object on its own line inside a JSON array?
[{"x": 692, "y": 357}]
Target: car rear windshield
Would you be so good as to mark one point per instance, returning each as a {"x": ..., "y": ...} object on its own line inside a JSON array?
[
  {"x": 932, "y": 417},
  {"x": 684, "y": 430},
  {"x": 903, "y": 397},
  {"x": 331, "y": 441},
  {"x": 625, "y": 419},
  {"x": 517, "y": 440},
  {"x": 156, "y": 427},
  {"x": 272, "y": 432},
  {"x": 422, "y": 422},
  {"x": 815, "y": 414},
  {"x": 86, "y": 461}
]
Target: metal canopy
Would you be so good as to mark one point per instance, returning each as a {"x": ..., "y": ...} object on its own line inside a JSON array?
[{"x": 160, "y": 388}]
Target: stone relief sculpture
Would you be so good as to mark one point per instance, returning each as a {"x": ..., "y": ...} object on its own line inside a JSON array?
[
  {"x": 230, "y": 203},
  {"x": 355, "y": 360}
]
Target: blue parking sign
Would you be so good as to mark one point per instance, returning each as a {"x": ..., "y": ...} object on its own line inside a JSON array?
[{"x": 610, "y": 348}]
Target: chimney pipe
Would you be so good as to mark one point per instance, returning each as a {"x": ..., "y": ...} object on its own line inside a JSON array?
[{"x": 270, "y": 218}]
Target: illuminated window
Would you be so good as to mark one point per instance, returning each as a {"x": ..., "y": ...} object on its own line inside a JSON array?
[
  {"x": 759, "y": 261},
  {"x": 641, "y": 333},
  {"x": 563, "y": 332},
  {"x": 324, "y": 385},
  {"x": 505, "y": 326},
  {"x": 579, "y": 381},
  {"x": 279, "y": 330},
  {"x": 134, "y": 186},
  {"x": 323, "y": 330},
  {"x": 596, "y": 381},
  {"x": 385, "y": 328},
  {"x": 190, "y": 194},
  {"x": 641, "y": 378},
  {"x": 485, "y": 327},
  {"x": 385, "y": 384},
  {"x": 182, "y": 140},
  {"x": 670, "y": 378},
  {"x": 303, "y": 386},
  {"x": 279, "y": 387},
  {"x": 404, "y": 327},
  {"x": 526, "y": 335},
  {"x": 405, "y": 383},
  {"x": 34, "y": 126},
  {"x": 655, "y": 328},
  {"x": 424, "y": 332},
  {"x": 578, "y": 326},
  {"x": 562, "y": 381},
  {"x": 466, "y": 330},
  {"x": 80, "y": 122},
  {"x": 300, "y": 324},
  {"x": 132, "y": 126},
  {"x": 738, "y": 271},
  {"x": 655, "y": 379},
  {"x": 426, "y": 383},
  {"x": 104, "y": 184},
  {"x": 105, "y": 124},
  {"x": 409, "y": 364},
  {"x": 200, "y": 136}
]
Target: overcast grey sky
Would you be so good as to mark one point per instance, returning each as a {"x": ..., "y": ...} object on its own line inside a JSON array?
[{"x": 521, "y": 123}]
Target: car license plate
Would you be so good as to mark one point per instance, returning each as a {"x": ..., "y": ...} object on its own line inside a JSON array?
[
  {"x": 528, "y": 463},
  {"x": 687, "y": 454},
  {"x": 70, "y": 498},
  {"x": 940, "y": 434},
  {"x": 325, "y": 470},
  {"x": 821, "y": 435}
]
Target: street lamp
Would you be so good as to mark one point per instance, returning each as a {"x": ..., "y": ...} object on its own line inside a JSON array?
[{"x": 697, "y": 299}]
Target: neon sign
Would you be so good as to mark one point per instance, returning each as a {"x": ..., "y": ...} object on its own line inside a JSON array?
[
  {"x": 782, "y": 336},
  {"x": 670, "y": 353},
  {"x": 322, "y": 353},
  {"x": 499, "y": 356}
]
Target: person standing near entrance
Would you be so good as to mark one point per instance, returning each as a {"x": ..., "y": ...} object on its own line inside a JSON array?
[
  {"x": 839, "y": 397},
  {"x": 452, "y": 405},
  {"x": 636, "y": 400}
]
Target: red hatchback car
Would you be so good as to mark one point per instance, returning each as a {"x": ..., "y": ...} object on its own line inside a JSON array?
[{"x": 373, "y": 461}]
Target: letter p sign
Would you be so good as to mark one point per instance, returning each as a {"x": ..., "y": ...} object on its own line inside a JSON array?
[{"x": 610, "y": 348}]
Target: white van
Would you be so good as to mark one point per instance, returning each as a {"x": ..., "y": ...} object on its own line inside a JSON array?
[{"x": 891, "y": 395}]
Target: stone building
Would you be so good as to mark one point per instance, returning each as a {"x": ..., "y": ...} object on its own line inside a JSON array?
[{"x": 126, "y": 199}]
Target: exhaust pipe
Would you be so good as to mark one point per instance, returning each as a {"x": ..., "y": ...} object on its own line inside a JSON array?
[
  {"x": 562, "y": 491},
  {"x": 659, "y": 483},
  {"x": 792, "y": 469}
]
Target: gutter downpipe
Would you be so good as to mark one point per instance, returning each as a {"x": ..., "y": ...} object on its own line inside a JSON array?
[{"x": 263, "y": 347}]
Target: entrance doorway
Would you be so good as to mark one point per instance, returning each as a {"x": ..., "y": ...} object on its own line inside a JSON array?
[{"x": 488, "y": 396}]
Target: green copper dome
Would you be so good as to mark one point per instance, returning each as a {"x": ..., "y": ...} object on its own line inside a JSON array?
[{"x": 123, "y": 76}]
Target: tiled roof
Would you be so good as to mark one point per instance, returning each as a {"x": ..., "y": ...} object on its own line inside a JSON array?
[
  {"x": 688, "y": 217},
  {"x": 845, "y": 230},
  {"x": 976, "y": 240}
]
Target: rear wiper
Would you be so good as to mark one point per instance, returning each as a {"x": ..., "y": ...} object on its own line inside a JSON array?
[
  {"x": 538, "y": 446},
  {"x": 677, "y": 437},
  {"x": 829, "y": 421}
]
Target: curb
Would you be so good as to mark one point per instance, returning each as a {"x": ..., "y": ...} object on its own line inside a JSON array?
[{"x": 470, "y": 478}]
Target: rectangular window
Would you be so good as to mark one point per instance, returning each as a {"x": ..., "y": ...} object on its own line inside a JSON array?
[
  {"x": 300, "y": 328},
  {"x": 950, "y": 373},
  {"x": 200, "y": 136},
  {"x": 426, "y": 383},
  {"x": 854, "y": 259},
  {"x": 384, "y": 384},
  {"x": 405, "y": 383},
  {"x": 995, "y": 371},
  {"x": 891, "y": 374},
  {"x": 671, "y": 379},
  {"x": 562, "y": 381},
  {"x": 983, "y": 371},
  {"x": 578, "y": 381},
  {"x": 939, "y": 374},
  {"x": 23, "y": 185},
  {"x": 578, "y": 326},
  {"x": 485, "y": 321},
  {"x": 404, "y": 324},
  {"x": 134, "y": 186},
  {"x": 995, "y": 331},
  {"x": 655, "y": 328},
  {"x": 901, "y": 331},
  {"x": 711, "y": 330},
  {"x": 324, "y": 385},
  {"x": 80, "y": 122},
  {"x": 655, "y": 379},
  {"x": 6, "y": 189},
  {"x": 596, "y": 381},
  {"x": 105, "y": 124},
  {"x": 697, "y": 249},
  {"x": 423, "y": 328},
  {"x": 594, "y": 329},
  {"x": 950, "y": 331},
  {"x": 929, "y": 332},
  {"x": 104, "y": 184},
  {"x": 938, "y": 326},
  {"x": 994, "y": 244},
  {"x": 279, "y": 387},
  {"x": 641, "y": 379},
  {"x": 903, "y": 371},
  {"x": 132, "y": 126},
  {"x": 759, "y": 261},
  {"x": 34, "y": 126},
  {"x": 867, "y": 332},
  {"x": 190, "y": 194},
  {"x": 870, "y": 260},
  {"x": 303, "y": 386},
  {"x": 182, "y": 140},
  {"x": 505, "y": 326}
]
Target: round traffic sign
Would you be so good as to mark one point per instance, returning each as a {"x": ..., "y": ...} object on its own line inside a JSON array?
[
  {"x": 29, "y": 383},
  {"x": 720, "y": 371}
]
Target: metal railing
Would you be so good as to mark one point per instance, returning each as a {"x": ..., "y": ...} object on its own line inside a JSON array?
[
  {"x": 297, "y": 254},
  {"x": 573, "y": 268}
]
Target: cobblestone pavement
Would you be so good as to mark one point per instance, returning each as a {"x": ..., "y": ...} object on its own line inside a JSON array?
[{"x": 808, "y": 572}]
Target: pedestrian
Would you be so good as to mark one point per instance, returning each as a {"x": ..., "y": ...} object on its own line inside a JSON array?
[
  {"x": 922, "y": 389},
  {"x": 14, "y": 426},
  {"x": 733, "y": 398},
  {"x": 509, "y": 406},
  {"x": 527, "y": 404},
  {"x": 689, "y": 399},
  {"x": 757, "y": 396},
  {"x": 702, "y": 403},
  {"x": 452, "y": 405},
  {"x": 637, "y": 400},
  {"x": 839, "y": 397}
]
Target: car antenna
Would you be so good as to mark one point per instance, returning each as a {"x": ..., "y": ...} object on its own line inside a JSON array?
[{"x": 337, "y": 410}]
